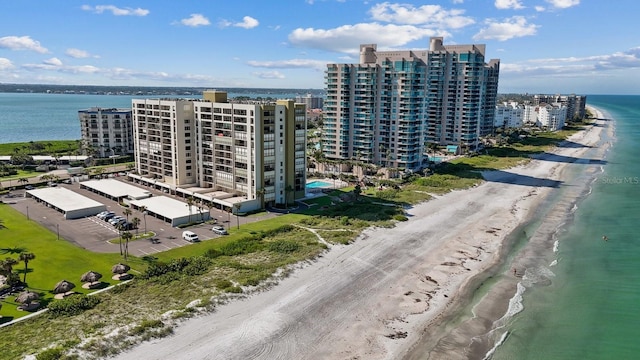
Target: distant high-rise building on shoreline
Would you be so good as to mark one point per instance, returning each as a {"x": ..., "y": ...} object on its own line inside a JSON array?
[
  {"x": 107, "y": 131},
  {"x": 251, "y": 151},
  {"x": 390, "y": 106},
  {"x": 310, "y": 101},
  {"x": 576, "y": 104}
]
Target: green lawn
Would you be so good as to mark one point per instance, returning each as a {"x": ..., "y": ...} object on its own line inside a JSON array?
[
  {"x": 55, "y": 260},
  {"x": 61, "y": 147}
]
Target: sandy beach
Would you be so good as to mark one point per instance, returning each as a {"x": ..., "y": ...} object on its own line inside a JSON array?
[{"x": 391, "y": 288}]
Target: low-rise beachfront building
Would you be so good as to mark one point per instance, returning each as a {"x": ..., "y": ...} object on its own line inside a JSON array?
[
  {"x": 509, "y": 115},
  {"x": 235, "y": 154},
  {"x": 552, "y": 116},
  {"x": 106, "y": 131}
]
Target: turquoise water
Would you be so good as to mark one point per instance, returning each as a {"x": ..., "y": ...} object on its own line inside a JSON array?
[
  {"x": 317, "y": 184},
  {"x": 590, "y": 307}
]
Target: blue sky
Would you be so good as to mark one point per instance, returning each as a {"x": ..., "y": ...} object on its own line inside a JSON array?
[{"x": 545, "y": 46}]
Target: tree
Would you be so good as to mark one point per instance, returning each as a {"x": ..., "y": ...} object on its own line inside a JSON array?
[
  {"x": 120, "y": 229},
  {"x": 357, "y": 190},
  {"x": 143, "y": 210},
  {"x": 126, "y": 213},
  {"x": 288, "y": 190},
  {"x": 190, "y": 204},
  {"x": 260, "y": 193},
  {"x": 135, "y": 221},
  {"x": 26, "y": 257},
  {"x": 126, "y": 236},
  {"x": 236, "y": 208}
]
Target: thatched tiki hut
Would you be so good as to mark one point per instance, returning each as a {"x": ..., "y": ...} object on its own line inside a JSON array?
[
  {"x": 120, "y": 272},
  {"x": 63, "y": 289}
]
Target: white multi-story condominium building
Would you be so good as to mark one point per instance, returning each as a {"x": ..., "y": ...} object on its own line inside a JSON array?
[
  {"x": 530, "y": 116},
  {"x": 106, "y": 131},
  {"x": 310, "y": 101},
  {"x": 388, "y": 107},
  {"x": 552, "y": 116},
  {"x": 220, "y": 149},
  {"x": 509, "y": 115},
  {"x": 575, "y": 104}
]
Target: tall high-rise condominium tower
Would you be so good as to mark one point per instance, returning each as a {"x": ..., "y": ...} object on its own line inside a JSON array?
[{"x": 388, "y": 108}]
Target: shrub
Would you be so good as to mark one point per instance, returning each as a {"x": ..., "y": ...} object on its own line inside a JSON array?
[
  {"x": 72, "y": 305},
  {"x": 387, "y": 194},
  {"x": 283, "y": 246},
  {"x": 400, "y": 217},
  {"x": 198, "y": 266},
  {"x": 233, "y": 290},
  {"x": 146, "y": 325},
  {"x": 50, "y": 354},
  {"x": 212, "y": 253},
  {"x": 241, "y": 246},
  {"x": 223, "y": 283}
]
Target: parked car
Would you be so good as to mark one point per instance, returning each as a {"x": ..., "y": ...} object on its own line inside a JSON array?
[
  {"x": 107, "y": 216},
  {"x": 29, "y": 187},
  {"x": 126, "y": 225},
  {"x": 219, "y": 230},
  {"x": 190, "y": 236},
  {"x": 116, "y": 219}
]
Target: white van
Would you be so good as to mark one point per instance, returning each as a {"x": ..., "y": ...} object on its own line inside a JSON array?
[{"x": 190, "y": 236}]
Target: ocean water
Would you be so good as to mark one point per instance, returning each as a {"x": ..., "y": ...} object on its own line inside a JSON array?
[
  {"x": 38, "y": 117},
  {"x": 580, "y": 298}
]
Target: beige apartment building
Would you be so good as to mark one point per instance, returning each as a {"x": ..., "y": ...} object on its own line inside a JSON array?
[
  {"x": 107, "y": 131},
  {"x": 247, "y": 152}
]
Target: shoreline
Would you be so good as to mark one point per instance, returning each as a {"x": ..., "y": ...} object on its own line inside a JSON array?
[{"x": 380, "y": 296}]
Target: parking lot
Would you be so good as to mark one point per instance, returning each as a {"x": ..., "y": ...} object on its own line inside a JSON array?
[{"x": 94, "y": 234}]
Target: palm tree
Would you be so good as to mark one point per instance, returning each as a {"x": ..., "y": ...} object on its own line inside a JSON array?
[
  {"x": 288, "y": 190},
  {"x": 143, "y": 210},
  {"x": 236, "y": 208},
  {"x": 26, "y": 257},
  {"x": 126, "y": 236},
  {"x": 23, "y": 181},
  {"x": 126, "y": 213},
  {"x": 120, "y": 229},
  {"x": 190, "y": 204},
  {"x": 260, "y": 193},
  {"x": 135, "y": 221}
]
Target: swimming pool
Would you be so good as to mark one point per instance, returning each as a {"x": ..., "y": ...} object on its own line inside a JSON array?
[{"x": 317, "y": 184}]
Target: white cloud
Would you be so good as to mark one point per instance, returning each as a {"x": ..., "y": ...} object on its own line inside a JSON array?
[
  {"x": 22, "y": 43},
  {"x": 563, "y": 4},
  {"x": 195, "y": 20},
  {"x": 539, "y": 8},
  {"x": 247, "y": 23},
  {"x": 509, "y": 4},
  {"x": 457, "y": 1},
  {"x": 54, "y": 61},
  {"x": 428, "y": 15},
  {"x": 99, "y": 9},
  {"x": 269, "y": 75},
  {"x": 5, "y": 64},
  {"x": 290, "y": 64},
  {"x": 347, "y": 38},
  {"x": 586, "y": 66},
  {"x": 513, "y": 27},
  {"x": 78, "y": 54}
]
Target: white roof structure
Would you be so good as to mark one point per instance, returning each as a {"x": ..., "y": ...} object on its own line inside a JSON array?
[
  {"x": 116, "y": 189},
  {"x": 173, "y": 211},
  {"x": 71, "y": 204}
]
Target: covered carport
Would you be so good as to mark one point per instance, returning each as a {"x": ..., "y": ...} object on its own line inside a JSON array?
[
  {"x": 171, "y": 210},
  {"x": 115, "y": 190},
  {"x": 71, "y": 204}
]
